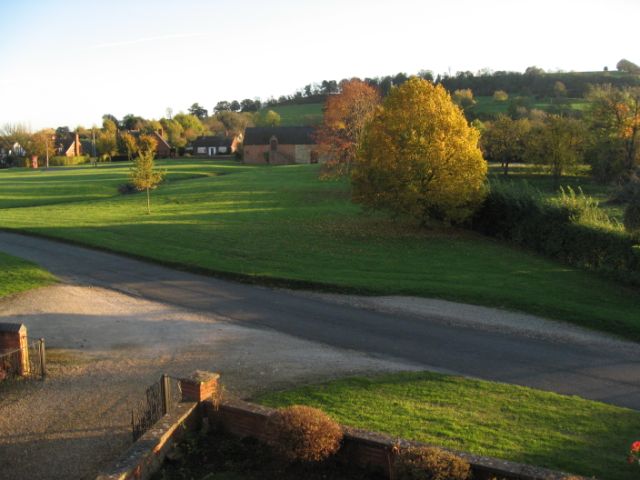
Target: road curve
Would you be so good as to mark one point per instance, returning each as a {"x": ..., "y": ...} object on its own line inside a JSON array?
[{"x": 609, "y": 372}]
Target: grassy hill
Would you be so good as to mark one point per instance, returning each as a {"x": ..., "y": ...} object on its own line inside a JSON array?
[
  {"x": 281, "y": 225},
  {"x": 487, "y": 106},
  {"x": 298, "y": 115}
]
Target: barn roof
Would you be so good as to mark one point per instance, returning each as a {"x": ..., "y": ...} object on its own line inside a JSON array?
[{"x": 285, "y": 135}]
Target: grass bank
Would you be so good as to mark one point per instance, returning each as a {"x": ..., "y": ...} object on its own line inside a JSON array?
[
  {"x": 297, "y": 115},
  {"x": 282, "y": 223},
  {"x": 17, "y": 275},
  {"x": 486, "y": 418}
]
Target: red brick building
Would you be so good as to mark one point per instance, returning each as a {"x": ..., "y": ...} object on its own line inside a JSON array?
[{"x": 281, "y": 145}]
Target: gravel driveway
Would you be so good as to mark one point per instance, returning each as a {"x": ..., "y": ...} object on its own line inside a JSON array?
[{"x": 106, "y": 347}]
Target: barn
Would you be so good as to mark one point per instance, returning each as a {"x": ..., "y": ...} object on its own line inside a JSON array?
[{"x": 281, "y": 145}]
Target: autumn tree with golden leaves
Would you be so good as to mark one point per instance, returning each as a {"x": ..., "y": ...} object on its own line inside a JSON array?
[
  {"x": 419, "y": 156},
  {"x": 345, "y": 116}
]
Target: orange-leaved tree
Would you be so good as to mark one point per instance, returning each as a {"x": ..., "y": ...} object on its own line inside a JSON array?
[
  {"x": 419, "y": 156},
  {"x": 345, "y": 116}
]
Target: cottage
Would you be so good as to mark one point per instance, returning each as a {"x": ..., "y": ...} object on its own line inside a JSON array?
[
  {"x": 70, "y": 146},
  {"x": 212, "y": 145},
  {"x": 281, "y": 145}
]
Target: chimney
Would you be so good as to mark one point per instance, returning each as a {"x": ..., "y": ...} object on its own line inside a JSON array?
[
  {"x": 77, "y": 146},
  {"x": 161, "y": 132}
]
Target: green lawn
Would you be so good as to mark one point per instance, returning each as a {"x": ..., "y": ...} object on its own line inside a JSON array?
[
  {"x": 295, "y": 115},
  {"x": 282, "y": 223},
  {"x": 17, "y": 275},
  {"x": 486, "y": 418}
]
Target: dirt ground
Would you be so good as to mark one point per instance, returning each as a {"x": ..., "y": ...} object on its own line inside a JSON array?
[{"x": 106, "y": 347}]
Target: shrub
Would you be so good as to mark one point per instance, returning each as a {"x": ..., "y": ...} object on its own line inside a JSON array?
[
  {"x": 518, "y": 213},
  {"x": 127, "y": 188},
  {"x": 429, "y": 463},
  {"x": 300, "y": 433},
  {"x": 500, "y": 96}
]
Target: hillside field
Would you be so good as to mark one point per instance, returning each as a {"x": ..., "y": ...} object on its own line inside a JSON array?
[
  {"x": 489, "y": 107},
  {"x": 281, "y": 225},
  {"x": 298, "y": 115}
]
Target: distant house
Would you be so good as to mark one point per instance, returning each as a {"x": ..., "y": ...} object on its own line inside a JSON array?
[
  {"x": 70, "y": 146},
  {"x": 281, "y": 145},
  {"x": 17, "y": 150},
  {"x": 210, "y": 146}
]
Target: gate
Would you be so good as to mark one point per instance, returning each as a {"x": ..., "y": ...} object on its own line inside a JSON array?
[
  {"x": 160, "y": 399},
  {"x": 28, "y": 362}
]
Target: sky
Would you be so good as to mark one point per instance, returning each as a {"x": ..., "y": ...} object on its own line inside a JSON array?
[{"x": 67, "y": 62}]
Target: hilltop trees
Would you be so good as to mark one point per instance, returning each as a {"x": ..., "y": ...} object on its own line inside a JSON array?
[
  {"x": 418, "y": 156},
  {"x": 625, "y": 65},
  {"x": 197, "y": 111},
  {"x": 344, "y": 120}
]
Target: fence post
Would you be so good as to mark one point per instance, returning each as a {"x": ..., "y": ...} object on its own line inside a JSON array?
[
  {"x": 43, "y": 359},
  {"x": 165, "y": 391}
]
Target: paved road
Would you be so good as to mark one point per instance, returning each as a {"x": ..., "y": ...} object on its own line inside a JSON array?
[{"x": 609, "y": 372}]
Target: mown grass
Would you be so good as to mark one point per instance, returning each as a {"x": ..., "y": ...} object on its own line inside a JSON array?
[
  {"x": 282, "y": 223},
  {"x": 299, "y": 115},
  {"x": 17, "y": 275},
  {"x": 485, "y": 418}
]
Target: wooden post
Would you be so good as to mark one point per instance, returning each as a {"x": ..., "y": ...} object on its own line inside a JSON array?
[
  {"x": 43, "y": 359},
  {"x": 165, "y": 390}
]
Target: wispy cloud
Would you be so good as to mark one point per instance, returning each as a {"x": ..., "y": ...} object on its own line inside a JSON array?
[{"x": 136, "y": 41}]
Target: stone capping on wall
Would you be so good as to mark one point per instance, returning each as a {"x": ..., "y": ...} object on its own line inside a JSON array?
[
  {"x": 368, "y": 448},
  {"x": 147, "y": 454}
]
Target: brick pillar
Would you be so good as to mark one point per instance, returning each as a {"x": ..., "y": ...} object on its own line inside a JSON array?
[
  {"x": 200, "y": 386},
  {"x": 13, "y": 336}
]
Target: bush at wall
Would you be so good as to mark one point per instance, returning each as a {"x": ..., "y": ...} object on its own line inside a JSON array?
[
  {"x": 517, "y": 213},
  {"x": 306, "y": 434}
]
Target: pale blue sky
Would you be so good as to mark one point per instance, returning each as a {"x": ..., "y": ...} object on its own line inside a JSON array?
[{"x": 66, "y": 62}]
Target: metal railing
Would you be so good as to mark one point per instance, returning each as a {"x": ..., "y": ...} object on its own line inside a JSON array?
[
  {"x": 160, "y": 398},
  {"x": 27, "y": 362}
]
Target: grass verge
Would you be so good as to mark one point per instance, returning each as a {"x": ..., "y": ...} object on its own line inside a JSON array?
[
  {"x": 17, "y": 275},
  {"x": 486, "y": 418}
]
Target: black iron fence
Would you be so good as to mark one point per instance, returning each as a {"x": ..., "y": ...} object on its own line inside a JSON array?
[
  {"x": 26, "y": 362},
  {"x": 160, "y": 399}
]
